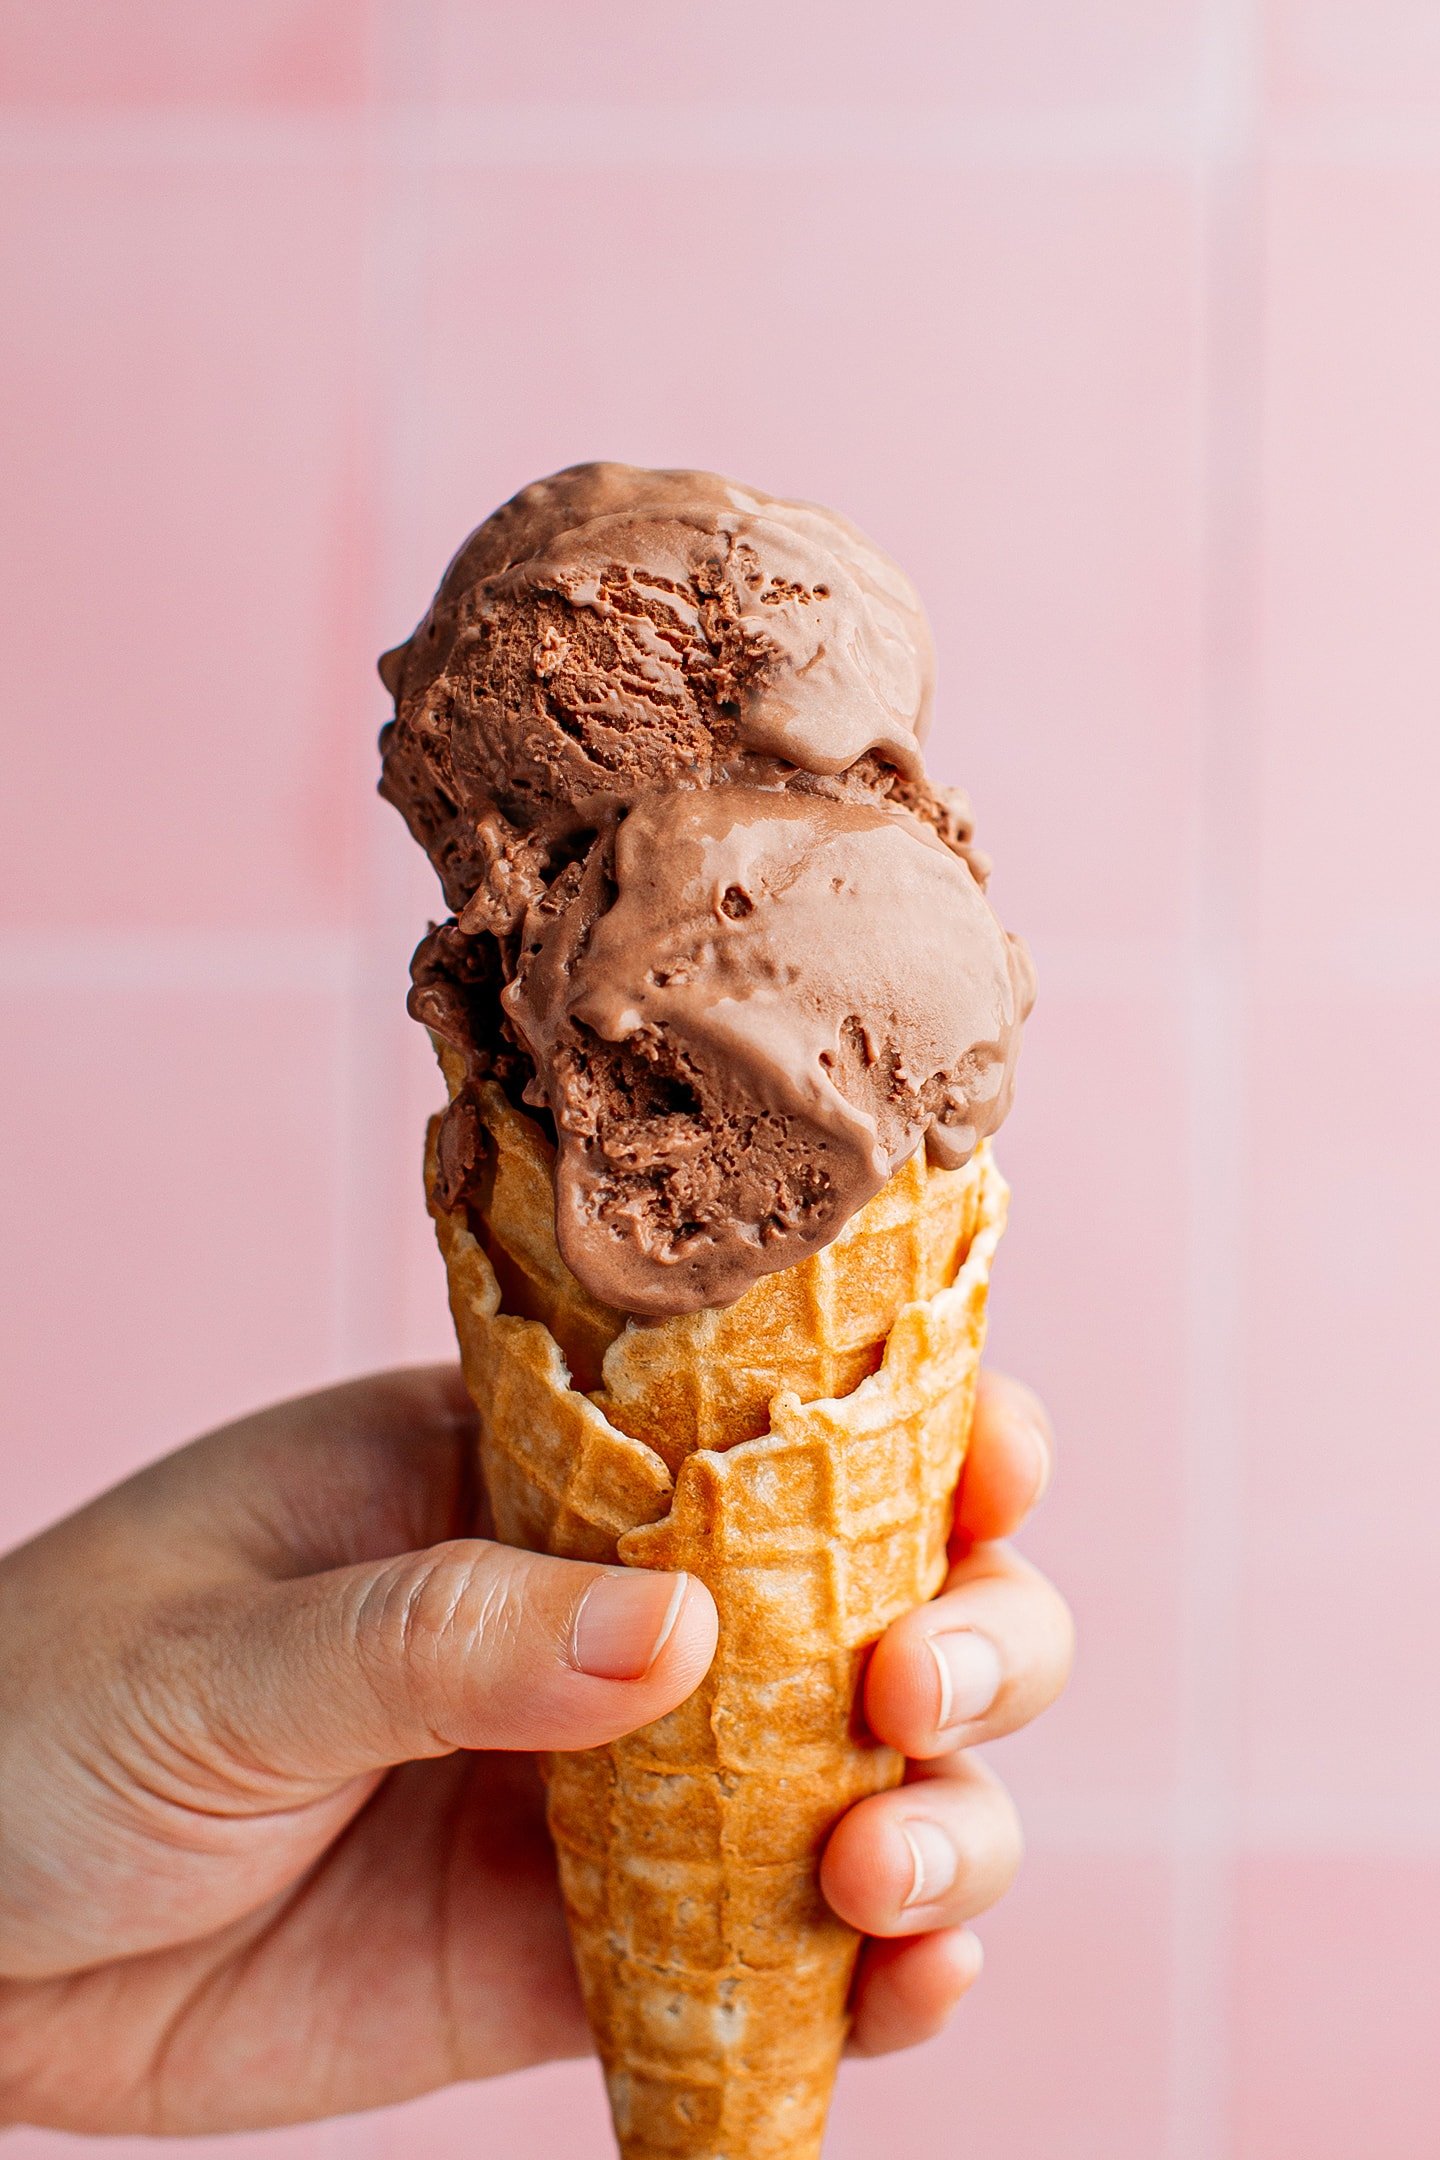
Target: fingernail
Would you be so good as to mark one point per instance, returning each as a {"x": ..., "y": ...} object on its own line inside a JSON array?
[
  {"x": 970, "y": 1673},
  {"x": 624, "y": 1621},
  {"x": 933, "y": 1861}
]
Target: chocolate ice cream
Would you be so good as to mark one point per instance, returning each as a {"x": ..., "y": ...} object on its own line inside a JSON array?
[{"x": 660, "y": 735}]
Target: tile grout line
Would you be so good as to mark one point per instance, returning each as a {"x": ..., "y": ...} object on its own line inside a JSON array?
[
  {"x": 323, "y": 959},
  {"x": 358, "y": 1230},
  {"x": 1206, "y": 1829},
  {"x": 372, "y": 1093},
  {"x": 1063, "y": 1822},
  {"x": 155, "y": 959},
  {"x": 369, "y": 1306},
  {"x": 416, "y": 133}
]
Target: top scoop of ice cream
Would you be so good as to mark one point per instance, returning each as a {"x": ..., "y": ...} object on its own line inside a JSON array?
[
  {"x": 660, "y": 734},
  {"x": 613, "y": 630}
]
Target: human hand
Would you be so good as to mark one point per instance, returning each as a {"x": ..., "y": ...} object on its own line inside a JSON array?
[
  {"x": 223, "y": 1905},
  {"x": 980, "y": 1660}
]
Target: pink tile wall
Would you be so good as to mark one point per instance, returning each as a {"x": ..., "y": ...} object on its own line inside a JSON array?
[
  {"x": 180, "y": 435},
  {"x": 171, "y": 1183},
  {"x": 1353, "y": 60},
  {"x": 167, "y": 52},
  {"x": 1117, "y": 322},
  {"x": 1063, "y": 53},
  {"x": 1082, "y": 1295},
  {"x": 1343, "y": 1486},
  {"x": 1044, "y": 325},
  {"x": 1064, "y": 2049},
  {"x": 1338, "y": 2001},
  {"x": 1350, "y": 676}
]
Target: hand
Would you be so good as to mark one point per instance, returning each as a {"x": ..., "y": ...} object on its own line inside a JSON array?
[
  {"x": 988, "y": 1654},
  {"x": 223, "y": 1906}
]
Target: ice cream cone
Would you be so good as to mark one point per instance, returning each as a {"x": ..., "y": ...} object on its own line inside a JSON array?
[{"x": 798, "y": 1451}]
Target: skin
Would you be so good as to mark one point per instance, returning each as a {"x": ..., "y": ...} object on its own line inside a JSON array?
[{"x": 271, "y": 1833}]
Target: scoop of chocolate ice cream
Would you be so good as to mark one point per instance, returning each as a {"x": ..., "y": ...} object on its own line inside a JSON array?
[
  {"x": 614, "y": 630},
  {"x": 742, "y": 1043},
  {"x": 660, "y": 734}
]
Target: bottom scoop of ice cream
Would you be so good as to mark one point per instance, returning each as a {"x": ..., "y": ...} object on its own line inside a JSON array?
[{"x": 744, "y": 1022}]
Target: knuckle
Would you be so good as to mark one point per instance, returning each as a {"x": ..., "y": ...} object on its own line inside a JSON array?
[
  {"x": 1022, "y": 1608},
  {"x": 996, "y": 1853},
  {"x": 1059, "y": 1638},
  {"x": 436, "y": 1627},
  {"x": 428, "y": 1608},
  {"x": 405, "y": 1629},
  {"x": 1030, "y": 1409},
  {"x": 1001, "y": 1393},
  {"x": 1012, "y": 1832},
  {"x": 994, "y": 1562}
]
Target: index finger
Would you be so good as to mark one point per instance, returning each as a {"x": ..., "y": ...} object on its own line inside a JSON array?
[
  {"x": 362, "y": 1471},
  {"x": 1008, "y": 1462}
]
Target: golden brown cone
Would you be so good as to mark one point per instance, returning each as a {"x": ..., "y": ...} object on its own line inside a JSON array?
[{"x": 797, "y": 1451}]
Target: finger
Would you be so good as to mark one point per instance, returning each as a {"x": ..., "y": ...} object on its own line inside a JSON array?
[
  {"x": 927, "y": 1855},
  {"x": 983, "y": 1658},
  {"x": 377, "y": 1466},
  {"x": 301, "y": 1686},
  {"x": 382, "y": 1465},
  {"x": 1008, "y": 1462},
  {"x": 906, "y": 1988}
]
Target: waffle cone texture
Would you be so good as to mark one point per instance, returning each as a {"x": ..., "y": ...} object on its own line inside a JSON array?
[{"x": 798, "y": 1451}]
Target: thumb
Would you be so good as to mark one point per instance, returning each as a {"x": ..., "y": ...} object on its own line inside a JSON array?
[{"x": 469, "y": 1644}]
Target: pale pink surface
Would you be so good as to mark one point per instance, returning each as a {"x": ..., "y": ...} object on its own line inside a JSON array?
[
  {"x": 1351, "y": 562},
  {"x": 1338, "y": 2003},
  {"x": 1118, "y": 322},
  {"x": 1347, "y": 60},
  {"x": 1064, "y": 2048},
  {"x": 821, "y": 53},
  {"x": 1045, "y": 327},
  {"x": 1343, "y": 1487},
  {"x": 1071, "y": 1308},
  {"x": 171, "y": 1179},
  {"x": 161, "y": 52},
  {"x": 178, "y": 427}
]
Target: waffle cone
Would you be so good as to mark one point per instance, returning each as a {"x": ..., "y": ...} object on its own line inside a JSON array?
[{"x": 799, "y": 1452}]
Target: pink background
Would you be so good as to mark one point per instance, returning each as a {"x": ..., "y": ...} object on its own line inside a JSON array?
[{"x": 1119, "y": 321}]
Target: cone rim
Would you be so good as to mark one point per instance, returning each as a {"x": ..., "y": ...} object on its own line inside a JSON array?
[{"x": 992, "y": 1198}]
